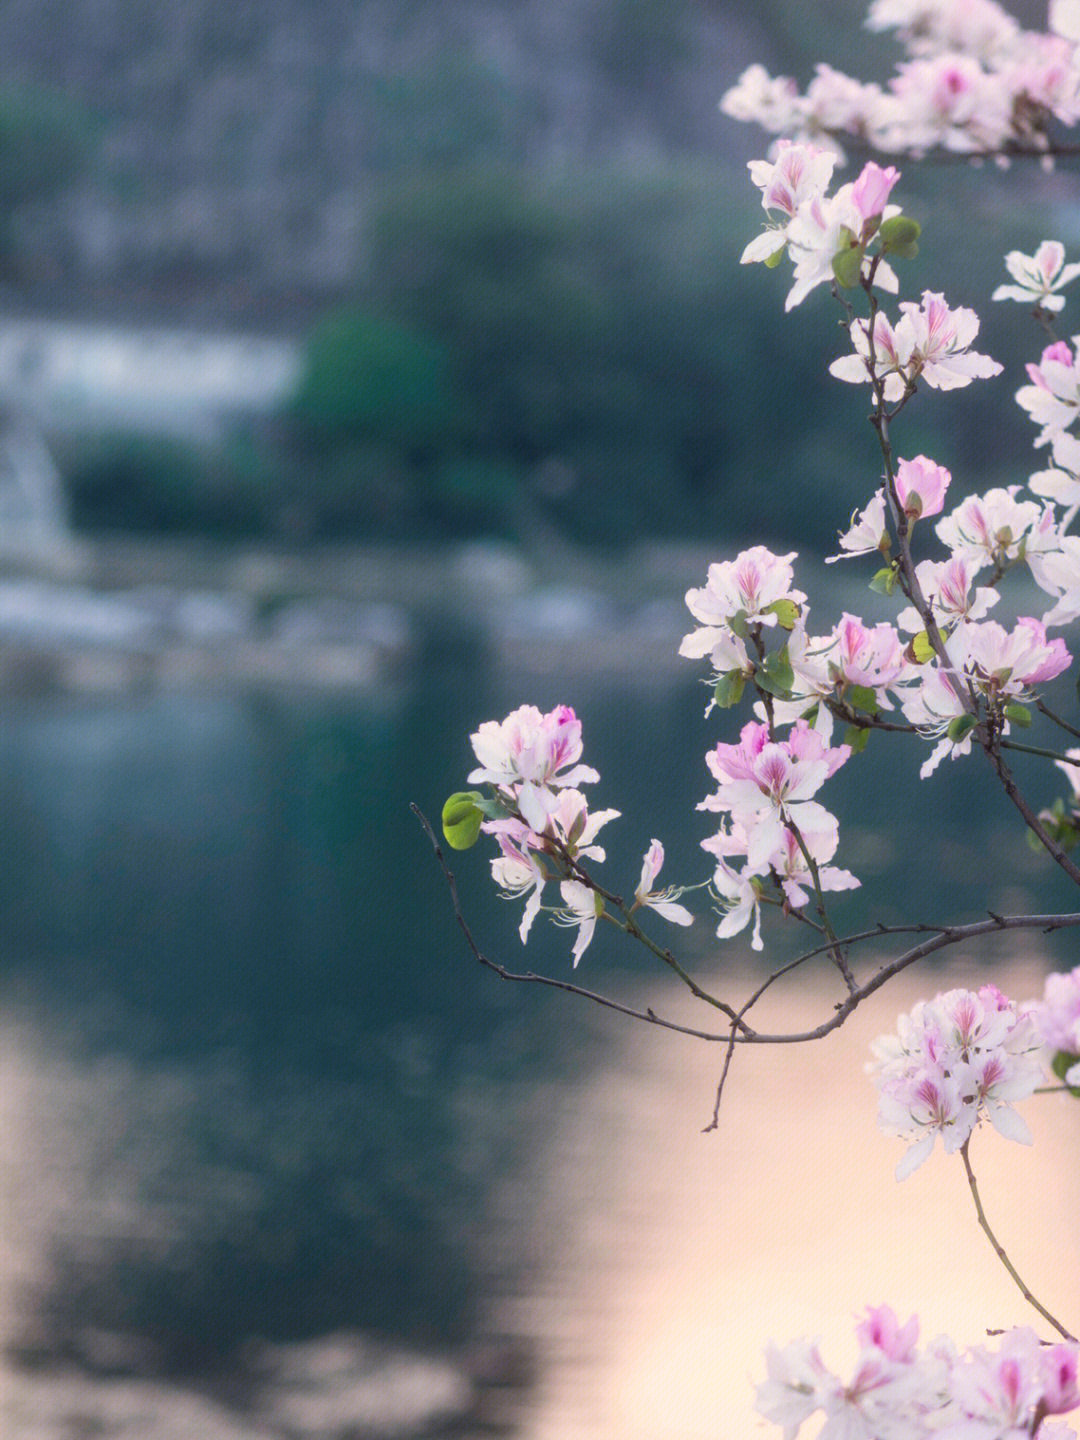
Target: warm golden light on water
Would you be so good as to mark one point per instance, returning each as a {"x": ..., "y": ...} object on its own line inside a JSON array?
[{"x": 681, "y": 1255}]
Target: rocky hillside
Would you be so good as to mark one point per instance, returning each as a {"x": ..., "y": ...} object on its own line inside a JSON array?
[{"x": 239, "y": 146}]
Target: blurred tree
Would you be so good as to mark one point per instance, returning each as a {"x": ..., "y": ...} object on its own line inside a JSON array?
[
  {"x": 453, "y": 109},
  {"x": 46, "y": 141}
]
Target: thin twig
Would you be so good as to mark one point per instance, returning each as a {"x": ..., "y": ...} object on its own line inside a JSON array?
[
  {"x": 999, "y": 1249},
  {"x": 1044, "y": 709},
  {"x": 939, "y": 939}
]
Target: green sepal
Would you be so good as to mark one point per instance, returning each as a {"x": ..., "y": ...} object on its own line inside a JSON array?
[
  {"x": 1061, "y": 1064},
  {"x": 858, "y": 737},
  {"x": 920, "y": 650},
  {"x": 786, "y": 612},
  {"x": 847, "y": 265},
  {"x": 729, "y": 689},
  {"x": 775, "y": 674},
  {"x": 1018, "y": 714},
  {"x": 773, "y": 260},
  {"x": 884, "y": 582},
  {"x": 461, "y": 817},
  {"x": 861, "y": 697},
  {"x": 899, "y": 235},
  {"x": 959, "y": 727}
]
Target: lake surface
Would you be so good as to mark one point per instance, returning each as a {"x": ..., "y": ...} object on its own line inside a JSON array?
[{"x": 278, "y": 1159}]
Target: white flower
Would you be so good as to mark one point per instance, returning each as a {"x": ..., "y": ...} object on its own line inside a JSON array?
[
  {"x": 1038, "y": 277},
  {"x": 662, "y": 901}
]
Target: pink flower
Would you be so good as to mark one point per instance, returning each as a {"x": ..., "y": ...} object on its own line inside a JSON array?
[
  {"x": 799, "y": 173},
  {"x": 762, "y": 783},
  {"x": 1053, "y": 397},
  {"x": 883, "y": 1331},
  {"x": 758, "y": 96},
  {"x": 871, "y": 657},
  {"x": 868, "y": 532},
  {"x": 796, "y": 879},
  {"x": 870, "y": 192},
  {"x": 530, "y": 748},
  {"x": 953, "y": 1061},
  {"x": 947, "y": 587},
  {"x": 886, "y": 363},
  {"x": 749, "y": 585},
  {"x": 1002, "y": 662},
  {"x": 517, "y": 872},
  {"x": 921, "y": 486},
  {"x": 1057, "y": 1015},
  {"x": 932, "y": 341},
  {"x": 991, "y": 528}
]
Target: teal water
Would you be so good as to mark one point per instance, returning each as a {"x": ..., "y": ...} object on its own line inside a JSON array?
[{"x": 304, "y": 1100}]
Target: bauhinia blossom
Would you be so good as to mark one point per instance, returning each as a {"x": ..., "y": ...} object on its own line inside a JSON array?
[
  {"x": 766, "y": 784},
  {"x": 954, "y": 1060},
  {"x": 662, "y": 901},
  {"x": 868, "y": 532},
  {"x": 930, "y": 342},
  {"x": 816, "y": 226},
  {"x": 948, "y": 588},
  {"x": 1053, "y": 397},
  {"x": 1057, "y": 1015},
  {"x": 990, "y": 529},
  {"x": 752, "y": 587},
  {"x": 899, "y": 1391},
  {"x": 1006, "y": 663},
  {"x": 525, "y": 757},
  {"x": 920, "y": 486},
  {"x": 1038, "y": 277}
]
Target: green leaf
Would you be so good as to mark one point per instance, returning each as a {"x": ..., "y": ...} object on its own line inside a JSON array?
[
  {"x": 1018, "y": 715},
  {"x": 961, "y": 726},
  {"x": 920, "y": 650},
  {"x": 786, "y": 612},
  {"x": 858, "y": 737},
  {"x": 898, "y": 236},
  {"x": 1061, "y": 1064},
  {"x": 861, "y": 697},
  {"x": 729, "y": 688},
  {"x": 847, "y": 266},
  {"x": 738, "y": 626},
  {"x": 884, "y": 582},
  {"x": 461, "y": 817},
  {"x": 773, "y": 260},
  {"x": 775, "y": 675}
]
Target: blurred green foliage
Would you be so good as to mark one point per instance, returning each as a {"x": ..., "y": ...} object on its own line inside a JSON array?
[
  {"x": 532, "y": 352},
  {"x": 155, "y": 484},
  {"x": 574, "y": 351},
  {"x": 46, "y": 141}
]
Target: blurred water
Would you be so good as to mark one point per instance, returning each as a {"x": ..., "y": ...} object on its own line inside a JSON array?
[{"x": 278, "y": 1158}]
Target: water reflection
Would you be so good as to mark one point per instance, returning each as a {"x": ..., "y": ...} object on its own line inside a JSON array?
[
  {"x": 681, "y": 1254},
  {"x": 278, "y": 1159}
]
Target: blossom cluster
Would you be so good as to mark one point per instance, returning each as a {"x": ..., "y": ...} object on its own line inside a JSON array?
[
  {"x": 824, "y": 235},
  {"x": 1057, "y": 1017},
  {"x": 764, "y": 788},
  {"x": 954, "y": 1060},
  {"x": 901, "y": 1391},
  {"x": 973, "y": 81},
  {"x": 542, "y": 824}
]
